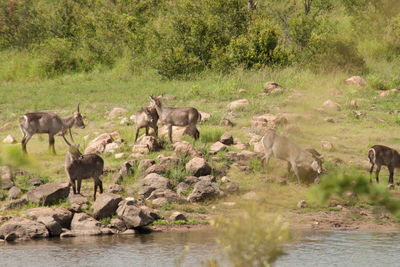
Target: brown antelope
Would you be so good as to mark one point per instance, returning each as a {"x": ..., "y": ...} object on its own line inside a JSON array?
[
  {"x": 175, "y": 116},
  {"x": 146, "y": 117},
  {"x": 282, "y": 148},
  {"x": 43, "y": 122},
  {"x": 383, "y": 155},
  {"x": 78, "y": 167}
]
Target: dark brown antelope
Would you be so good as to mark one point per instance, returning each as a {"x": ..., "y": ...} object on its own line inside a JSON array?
[
  {"x": 383, "y": 155},
  {"x": 44, "y": 122},
  {"x": 78, "y": 167},
  {"x": 282, "y": 148},
  {"x": 175, "y": 116},
  {"x": 146, "y": 117}
]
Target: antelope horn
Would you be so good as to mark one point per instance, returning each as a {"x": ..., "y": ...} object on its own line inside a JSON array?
[
  {"x": 70, "y": 134},
  {"x": 65, "y": 140},
  {"x": 77, "y": 108}
]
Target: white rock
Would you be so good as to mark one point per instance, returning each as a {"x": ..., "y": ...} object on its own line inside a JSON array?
[
  {"x": 241, "y": 103},
  {"x": 9, "y": 140}
]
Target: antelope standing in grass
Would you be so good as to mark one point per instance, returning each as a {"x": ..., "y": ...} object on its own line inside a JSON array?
[
  {"x": 282, "y": 148},
  {"x": 175, "y": 116},
  {"x": 146, "y": 117},
  {"x": 44, "y": 122},
  {"x": 78, "y": 167},
  {"x": 383, "y": 155}
]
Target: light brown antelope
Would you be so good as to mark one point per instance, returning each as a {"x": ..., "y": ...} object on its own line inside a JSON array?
[
  {"x": 44, "y": 122},
  {"x": 146, "y": 117},
  {"x": 78, "y": 167},
  {"x": 383, "y": 155},
  {"x": 175, "y": 116},
  {"x": 282, "y": 148}
]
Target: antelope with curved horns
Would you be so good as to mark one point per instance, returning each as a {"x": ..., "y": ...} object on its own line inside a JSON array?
[
  {"x": 44, "y": 122},
  {"x": 78, "y": 167}
]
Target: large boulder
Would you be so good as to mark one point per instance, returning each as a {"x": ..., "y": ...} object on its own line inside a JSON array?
[
  {"x": 106, "y": 205},
  {"x": 48, "y": 193},
  {"x": 185, "y": 149},
  {"x": 60, "y": 215},
  {"x": 111, "y": 148},
  {"x": 205, "y": 189},
  {"x": 153, "y": 182},
  {"x": 51, "y": 224},
  {"x": 133, "y": 216},
  {"x": 145, "y": 163},
  {"x": 198, "y": 166},
  {"x": 156, "y": 168},
  {"x": 98, "y": 144},
  {"x": 83, "y": 224},
  {"x": 356, "y": 81},
  {"x": 241, "y": 103},
  {"x": 22, "y": 228},
  {"x": 6, "y": 178}
]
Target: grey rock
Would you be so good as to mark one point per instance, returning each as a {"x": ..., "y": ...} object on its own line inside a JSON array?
[
  {"x": 23, "y": 229},
  {"x": 226, "y": 139},
  {"x": 78, "y": 199},
  {"x": 198, "y": 167},
  {"x": 133, "y": 216},
  {"x": 51, "y": 224},
  {"x": 6, "y": 178},
  {"x": 16, "y": 203},
  {"x": 118, "y": 224},
  {"x": 204, "y": 190},
  {"x": 35, "y": 181},
  {"x": 145, "y": 163},
  {"x": 60, "y": 215},
  {"x": 181, "y": 187},
  {"x": 177, "y": 216},
  {"x": 185, "y": 149},
  {"x": 231, "y": 187},
  {"x": 115, "y": 188},
  {"x": 106, "y": 205},
  {"x": 48, "y": 193},
  {"x": 14, "y": 193},
  {"x": 83, "y": 224},
  {"x": 217, "y": 147}
]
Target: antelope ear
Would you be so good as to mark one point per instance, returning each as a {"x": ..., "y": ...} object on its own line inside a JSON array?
[{"x": 160, "y": 96}]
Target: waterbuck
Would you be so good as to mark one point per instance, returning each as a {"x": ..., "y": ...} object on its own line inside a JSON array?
[
  {"x": 78, "y": 167},
  {"x": 282, "y": 148},
  {"x": 44, "y": 122},
  {"x": 146, "y": 117},
  {"x": 175, "y": 116},
  {"x": 383, "y": 155}
]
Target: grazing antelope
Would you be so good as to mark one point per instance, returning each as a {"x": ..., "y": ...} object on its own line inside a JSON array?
[
  {"x": 175, "y": 116},
  {"x": 78, "y": 167},
  {"x": 43, "y": 122},
  {"x": 146, "y": 117},
  {"x": 383, "y": 155},
  {"x": 282, "y": 148}
]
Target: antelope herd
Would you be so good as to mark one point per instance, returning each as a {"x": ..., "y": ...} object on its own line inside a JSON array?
[{"x": 79, "y": 166}]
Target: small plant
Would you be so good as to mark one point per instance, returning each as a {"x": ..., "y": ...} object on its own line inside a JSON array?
[
  {"x": 106, "y": 221},
  {"x": 253, "y": 238},
  {"x": 210, "y": 134}
]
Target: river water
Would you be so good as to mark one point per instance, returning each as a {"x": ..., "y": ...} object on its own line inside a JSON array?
[{"x": 332, "y": 248}]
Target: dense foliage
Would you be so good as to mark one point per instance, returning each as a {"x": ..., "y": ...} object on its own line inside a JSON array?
[{"x": 45, "y": 38}]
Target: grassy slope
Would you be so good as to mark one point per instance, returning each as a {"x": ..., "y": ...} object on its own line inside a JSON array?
[{"x": 98, "y": 93}]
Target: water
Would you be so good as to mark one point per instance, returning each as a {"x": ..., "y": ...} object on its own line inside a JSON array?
[{"x": 165, "y": 249}]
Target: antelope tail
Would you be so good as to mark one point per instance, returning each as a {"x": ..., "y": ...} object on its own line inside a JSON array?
[
  {"x": 23, "y": 124},
  {"x": 372, "y": 155}
]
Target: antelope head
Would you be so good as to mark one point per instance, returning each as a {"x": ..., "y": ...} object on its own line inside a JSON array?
[
  {"x": 78, "y": 118},
  {"x": 73, "y": 149}
]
